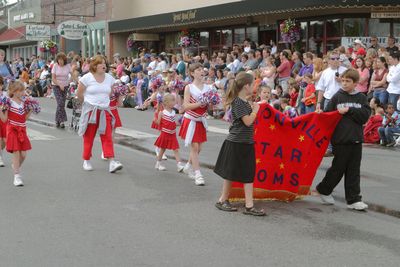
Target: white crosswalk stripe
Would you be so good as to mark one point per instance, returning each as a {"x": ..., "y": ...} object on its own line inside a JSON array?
[
  {"x": 134, "y": 134},
  {"x": 39, "y": 136}
]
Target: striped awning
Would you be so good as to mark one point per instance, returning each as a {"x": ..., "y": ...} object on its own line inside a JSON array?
[{"x": 236, "y": 10}]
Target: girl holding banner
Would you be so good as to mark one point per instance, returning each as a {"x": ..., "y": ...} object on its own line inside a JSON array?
[{"x": 236, "y": 161}]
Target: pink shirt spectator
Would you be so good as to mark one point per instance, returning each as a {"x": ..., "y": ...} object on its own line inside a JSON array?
[
  {"x": 284, "y": 69},
  {"x": 120, "y": 68},
  {"x": 62, "y": 74},
  {"x": 362, "y": 86}
]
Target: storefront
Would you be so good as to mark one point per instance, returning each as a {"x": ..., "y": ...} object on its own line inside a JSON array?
[{"x": 323, "y": 23}]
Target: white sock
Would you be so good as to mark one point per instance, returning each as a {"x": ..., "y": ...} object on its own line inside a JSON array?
[
  {"x": 197, "y": 172},
  {"x": 187, "y": 166},
  {"x": 158, "y": 162},
  {"x": 179, "y": 163}
]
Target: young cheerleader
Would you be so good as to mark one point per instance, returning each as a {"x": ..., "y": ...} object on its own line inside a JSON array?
[
  {"x": 236, "y": 161},
  {"x": 167, "y": 139},
  {"x": 17, "y": 139},
  {"x": 156, "y": 97},
  {"x": 194, "y": 125},
  {"x": 3, "y": 126}
]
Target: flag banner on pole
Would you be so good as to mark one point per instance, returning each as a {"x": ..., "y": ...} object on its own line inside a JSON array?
[{"x": 288, "y": 153}]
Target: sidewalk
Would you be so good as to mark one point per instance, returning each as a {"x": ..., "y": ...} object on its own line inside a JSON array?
[{"x": 380, "y": 179}]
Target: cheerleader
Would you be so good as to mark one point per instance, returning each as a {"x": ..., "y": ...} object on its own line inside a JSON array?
[
  {"x": 156, "y": 97},
  {"x": 17, "y": 140},
  {"x": 194, "y": 124},
  {"x": 167, "y": 139},
  {"x": 236, "y": 160},
  {"x": 3, "y": 126}
]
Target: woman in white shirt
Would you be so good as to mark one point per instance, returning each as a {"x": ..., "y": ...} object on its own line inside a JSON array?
[{"x": 94, "y": 91}]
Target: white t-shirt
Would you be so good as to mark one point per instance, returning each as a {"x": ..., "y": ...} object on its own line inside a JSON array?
[
  {"x": 97, "y": 94},
  {"x": 327, "y": 83}
]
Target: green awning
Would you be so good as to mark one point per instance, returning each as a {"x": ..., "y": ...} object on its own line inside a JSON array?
[{"x": 235, "y": 10}]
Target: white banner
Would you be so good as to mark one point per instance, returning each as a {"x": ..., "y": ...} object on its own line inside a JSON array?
[
  {"x": 37, "y": 32},
  {"x": 73, "y": 29},
  {"x": 349, "y": 41}
]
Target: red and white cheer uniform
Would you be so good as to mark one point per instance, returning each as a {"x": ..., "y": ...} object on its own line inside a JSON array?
[
  {"x": 114, "y": 111},
  {"x": 167, "y": 138},
  {"x": 17, "y": 139},
  {"x": 194, "y": 125}
]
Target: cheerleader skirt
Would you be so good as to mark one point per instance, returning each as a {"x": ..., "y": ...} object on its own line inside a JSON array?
[
  {"x": 236, "y": 162},
  {"x": 167, "y": 141},
  {"x": 118, "y": 122},
  {"x": 17, "y": 139},
  {"x": 3, "y": 129},
  {"x": 200, "y": 133}
]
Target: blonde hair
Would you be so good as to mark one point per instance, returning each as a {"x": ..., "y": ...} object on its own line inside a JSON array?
[
  {"x": 318, "y": 64},
  {"x": 15, "y": 86},
  {"x": 168, "y": 97},
  {"x": 242, "y": 79}
]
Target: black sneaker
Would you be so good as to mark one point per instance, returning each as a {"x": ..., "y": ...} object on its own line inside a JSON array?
[
  {"x": 57, "y": 124},
  {"x": 255, "y": 212},
  {"x": 225, "y": 206},
  {"x": 62, "y": 126}
]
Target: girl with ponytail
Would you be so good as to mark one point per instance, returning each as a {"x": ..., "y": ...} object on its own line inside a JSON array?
[{"x": 236, "y": 161}]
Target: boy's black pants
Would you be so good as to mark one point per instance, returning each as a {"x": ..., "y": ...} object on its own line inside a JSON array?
[{"x": 346, "y": 161}]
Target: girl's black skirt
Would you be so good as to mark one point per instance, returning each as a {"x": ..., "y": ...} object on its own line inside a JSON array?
[{"x": 236, "y": 162}]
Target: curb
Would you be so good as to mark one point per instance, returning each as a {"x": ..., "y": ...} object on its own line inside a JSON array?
[{"x": 127, "y": 141}]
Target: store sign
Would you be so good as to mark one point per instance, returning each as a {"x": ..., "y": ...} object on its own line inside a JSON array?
[
  {"x": 184, "y": 16},
  {"x": 349, "y": 41},
  {"x": 73, "y": 29},
  {"x": 385, "y": 15},
  {"x": 37, "y": 32}
]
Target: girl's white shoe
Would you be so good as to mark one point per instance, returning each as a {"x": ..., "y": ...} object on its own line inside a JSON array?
[
  {"x": 87, "y": 166},
  {"x": 18, "y": 181}
]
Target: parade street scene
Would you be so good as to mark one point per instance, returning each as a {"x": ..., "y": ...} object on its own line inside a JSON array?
[{"x": 203, "y": 133}]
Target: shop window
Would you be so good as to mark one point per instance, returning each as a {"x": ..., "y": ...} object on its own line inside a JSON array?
[
  {"x": 333, "y": 28},
  {"x": 204, "y": 38},
  {"x": 316, "y": 36},
  {"x": 216, "y": 38},
  {"x": 396, "y": 29},
  {"x": 354, "y": 27},
  {"x": 378, "y": 28},
  {"x": 252, "y": 33},
  {"x": 239, "y": 36},
  {"x": 226, "y": 38}
]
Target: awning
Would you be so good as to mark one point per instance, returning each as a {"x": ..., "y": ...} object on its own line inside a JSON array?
[
  {"x": 13, "y": 36},
  {"x": 235, "y": 10},
  {"x": 146, "y": 37}
]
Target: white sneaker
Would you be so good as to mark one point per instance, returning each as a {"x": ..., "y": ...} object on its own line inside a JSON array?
[
  {"x": 180, "y": 167},
  {"x": 358, "y": 206},
  {"x": 157, "y": 150},
  {"x": 1, "y": 162},
  {"x": 87, "y": 166},
  {"x": 199, "y": 179},
  {"x": 115, "y": 166},
  {"x": 164, "y": 157},
  {"x": 102, "y": 156},
  {"x": 18, "y": 181},
  {"x": 159, "y": 166},
  {"x": 187, "y": 168},
  {"x": 327, "y": 200}
]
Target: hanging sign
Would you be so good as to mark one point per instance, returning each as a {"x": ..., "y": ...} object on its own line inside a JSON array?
[
  {"x": 37, "y": 32},
  {"x": 73, "y": 29}
]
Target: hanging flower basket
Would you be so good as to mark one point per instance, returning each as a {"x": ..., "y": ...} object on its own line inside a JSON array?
[
  {"x": 290, "y": 31},
  {"x": 48, "y": 46},
  {"x": 189, "y": 38},
  {"x": 132, "y": 45}
]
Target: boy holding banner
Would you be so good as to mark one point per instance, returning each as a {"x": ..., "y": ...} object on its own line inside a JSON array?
[{"x": 347, "y": 142}]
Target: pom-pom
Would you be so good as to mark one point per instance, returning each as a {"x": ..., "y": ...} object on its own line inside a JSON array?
[
  {"x": 31, "y": 104},
  {"x": 210, "y": 97},
  {"x": 156, "y": 82},
  {"x": 159, "y": 98},
  {"x": 5, "y": 102},
  {"x": 119, "y": 89},
  {"x": 179, "y": 85}
]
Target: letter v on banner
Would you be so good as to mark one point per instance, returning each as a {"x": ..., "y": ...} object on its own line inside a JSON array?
[{"x": 287, "y": 157}]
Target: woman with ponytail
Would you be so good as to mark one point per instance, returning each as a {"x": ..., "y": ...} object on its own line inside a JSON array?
[{"x": 236, "y": 161}]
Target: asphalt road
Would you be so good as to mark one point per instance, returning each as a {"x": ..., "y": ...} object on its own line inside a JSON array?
[{"x": 64, "y": 216}]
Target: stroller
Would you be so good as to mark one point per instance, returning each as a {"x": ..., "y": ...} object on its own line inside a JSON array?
[{"x": 75, "y": 105}]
